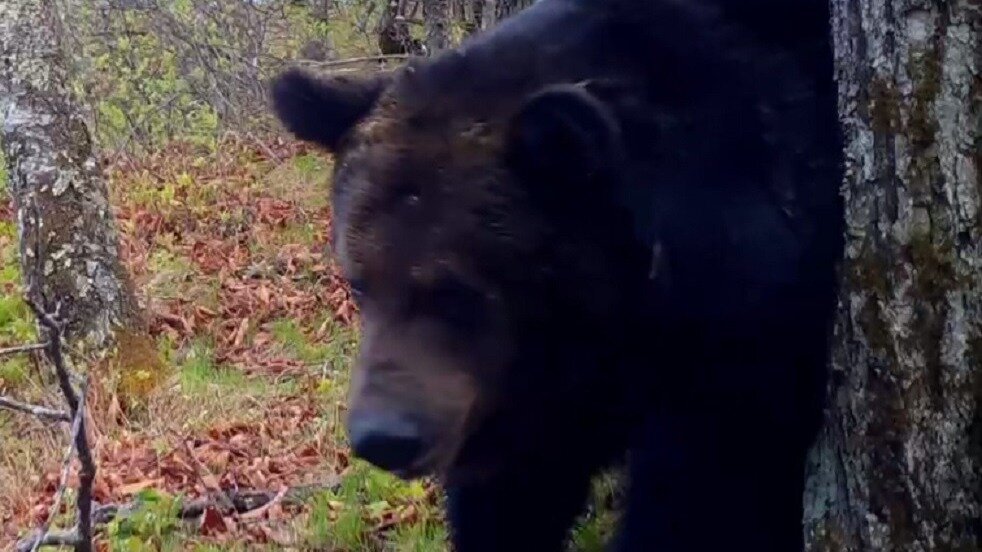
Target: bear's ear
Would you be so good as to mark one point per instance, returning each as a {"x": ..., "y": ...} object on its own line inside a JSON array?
[
  {"x": 564, "y": 133},
  {"x": 323, "y": 111}
]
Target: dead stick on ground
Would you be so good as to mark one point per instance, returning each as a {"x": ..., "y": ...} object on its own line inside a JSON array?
[
  {"x": 349, "y": 61},
  {"x": 214, "y": 484},
  {"x": 86, "y": 476},
  {"x": 234, "y": 501},
  {"x": 258, "y": 512},
  {"x": 79, "y": 444},
  {"x": 53, "y": 538},
  {"x": 22, "y": 349},
  {"x": 35, "y": 410},
  {"x": 77, "y": 425}
]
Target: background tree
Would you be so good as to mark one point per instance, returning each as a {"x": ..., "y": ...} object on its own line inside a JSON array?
[
  {"x": 899, "y": 463},
  {"x": 394, "y": 33},
  {"x": 505, "y": 8},
  {"x": 68, "y": 241},
  {"x": 436, "y": 13}
]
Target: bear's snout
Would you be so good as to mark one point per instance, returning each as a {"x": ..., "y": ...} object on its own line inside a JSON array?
[{"x": 388, "y": 440}]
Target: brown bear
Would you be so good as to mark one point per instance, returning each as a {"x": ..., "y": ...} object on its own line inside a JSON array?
[{"x": 602, "y": 230}]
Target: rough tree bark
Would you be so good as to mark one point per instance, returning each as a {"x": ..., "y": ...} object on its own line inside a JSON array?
[
  {"x": 68, "y": 242},
  {"x": 506, "y": 8},
  {"x": 897, "y": 466},
  {"x": 394, "y": 36},
  {"x": 436, "y": 14}
]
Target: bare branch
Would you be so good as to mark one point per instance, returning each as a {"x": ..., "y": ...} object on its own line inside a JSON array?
[
  {"x": 53, "y": 538},
  {"x": 199, "y": 468},
  {"x": 79, "y": 441},
  {"x": 77, "y": 426},
  {"x": 258, "y": 512},
  {"x": 56, "y": 328},
  {"x": 35, "y": 410},
  {"x": 86, "y": 479},
  {"x": 230, "y": 502},
  {"x": 253, "y": 503},
  {"x": 22, "y": 349},
  {"x": 349, "y": 61}
]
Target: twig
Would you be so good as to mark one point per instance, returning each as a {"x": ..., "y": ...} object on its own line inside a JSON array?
[
  {"x": 55, "y": 353},
  {"x": 53, "y": 538},
  {"x": 260, "y": 510},
  {"x": 269, "y": 151},
  {"x": 66, "y": 465},
  {"x": 86, "y": 478},
  {"x": 80, "y": 444},
  {"x": 199, "y": 467},
  {"x": 349, "y": 61},
  {"x": 39, "y": 411},
  {"x": 22, "y": 349},
  {"x": 233, "y": 502}
]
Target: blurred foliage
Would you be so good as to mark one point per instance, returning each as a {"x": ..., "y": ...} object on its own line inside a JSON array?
[{"x": 157, "y": 70}]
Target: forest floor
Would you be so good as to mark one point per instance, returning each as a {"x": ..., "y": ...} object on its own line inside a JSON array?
[{"x": 229, "y": 252}]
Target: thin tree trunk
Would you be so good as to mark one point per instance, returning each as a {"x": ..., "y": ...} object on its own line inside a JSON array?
[
  {"x": 68, "y": 242},
  {"x": 436, "y": 13},
  {"x": 899, "y": 464},
  {"x": 507, "y": 8}
]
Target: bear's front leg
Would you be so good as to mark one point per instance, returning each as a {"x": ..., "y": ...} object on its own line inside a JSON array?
[
  {"x": 702, "y": 483},
  {"x": 522, "y": 509}
]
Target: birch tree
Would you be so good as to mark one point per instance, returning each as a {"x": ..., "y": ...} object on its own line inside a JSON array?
[
  {"x": 68, "y": 242},
  {"x": 899, "y": 464},
  {"x": 436, "y": 15}
]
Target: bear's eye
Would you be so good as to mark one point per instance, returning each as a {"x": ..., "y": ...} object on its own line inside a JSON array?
[{"x": 459, "y": 305}]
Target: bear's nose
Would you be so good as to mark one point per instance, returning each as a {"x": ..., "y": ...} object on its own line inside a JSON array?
[{"x": 389, "y": 441}]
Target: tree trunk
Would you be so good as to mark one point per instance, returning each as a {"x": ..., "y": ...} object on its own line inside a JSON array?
[
  {"x": 68, "y": 242},
  {"x": 507, "y": 8},
  {"x": 897, "y": 466},
  {"x": 487, "y": 10},
  {"x": 436, "y": 13}
]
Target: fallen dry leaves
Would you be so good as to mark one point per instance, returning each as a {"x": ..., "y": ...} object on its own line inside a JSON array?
[
  {"x": 233, "y": 219},
  {"x": 238, "y": 271}
]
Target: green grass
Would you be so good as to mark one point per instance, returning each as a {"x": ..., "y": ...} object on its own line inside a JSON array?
[
  {"x": 419, "y": 537},
  {"x": 170, "y": 274},
  {"x": 336, "y": 351},
  {"x": 292, "y": 340},
  {"x": 16, "y": 321},
  {"x": 154, "y": 525},
  {"x": 596, "y": 526},
  {"x": 199, "y": 372},
  {"x": 303, "y": 233},
  {"x": 14, "y": 372},
  {"x": 346, "y": 518},
  {"x": 310, "y": 166}
]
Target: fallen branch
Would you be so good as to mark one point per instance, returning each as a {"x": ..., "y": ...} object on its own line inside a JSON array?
[
  {"x": 199, "y": 468},
  {"x": 258, "y": 512},
  {"x": 240, "y": 502},
  {"x": 76, "y": 402},
  {"x": 22, "y": 349},
  {"x": 350, "y": 61},
  {"x": 35, "y": 410},
  {"x": 52, "y": 538},
  {"x": 251, "y": 504},
  {"x": 55, "y": 354},
  {"x": 77, "y": 426}
]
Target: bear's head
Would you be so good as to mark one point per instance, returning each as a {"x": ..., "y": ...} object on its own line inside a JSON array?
[{"x": 477, "y": 230}]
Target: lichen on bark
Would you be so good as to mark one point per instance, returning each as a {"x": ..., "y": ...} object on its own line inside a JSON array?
[
  {"x": 68, "y": 240},
  {"x": 898, "y": 464}
]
